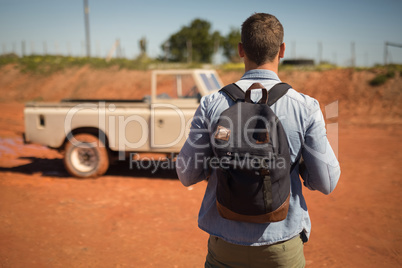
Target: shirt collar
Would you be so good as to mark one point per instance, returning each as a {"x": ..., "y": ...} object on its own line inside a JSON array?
[{"x": 260, "y": 74}]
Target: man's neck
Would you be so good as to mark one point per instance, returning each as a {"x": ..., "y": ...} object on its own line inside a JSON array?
[{"x": 271, "y": 66}]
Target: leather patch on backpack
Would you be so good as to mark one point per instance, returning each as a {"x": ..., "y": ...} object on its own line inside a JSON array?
[
  {"x": 262, "y": 138},
  {"x": 222, "y": 133}
]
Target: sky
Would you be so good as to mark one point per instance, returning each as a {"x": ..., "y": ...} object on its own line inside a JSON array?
[{"x": 334, "y": 31}]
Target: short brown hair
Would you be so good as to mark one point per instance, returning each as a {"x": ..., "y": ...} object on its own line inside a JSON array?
[{"x": 262, "y": 36}]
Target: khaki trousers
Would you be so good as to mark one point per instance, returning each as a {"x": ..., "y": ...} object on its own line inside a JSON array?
[{"x": 283, "y": 254}]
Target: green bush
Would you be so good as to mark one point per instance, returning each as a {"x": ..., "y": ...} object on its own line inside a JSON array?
[
  {"x": 381, "y": 79},
  {"x": 378, "y": 80},
  {"x": 8, "y": 58},
  {"x": 49, "y": 63}
]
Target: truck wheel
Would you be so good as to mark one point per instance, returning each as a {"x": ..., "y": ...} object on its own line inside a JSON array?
[{"x": 86, "y": 156}]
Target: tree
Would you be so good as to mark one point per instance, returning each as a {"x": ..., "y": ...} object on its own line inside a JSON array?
[
  {"x": 143, "y": 57},
  {"x": 229, "y": 44},
  {"x": 192, "y": 43},
  {"x": 143, "y": 45}
]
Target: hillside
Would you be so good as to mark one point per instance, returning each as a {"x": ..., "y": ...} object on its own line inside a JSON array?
[{"x": 359, "y": 102}]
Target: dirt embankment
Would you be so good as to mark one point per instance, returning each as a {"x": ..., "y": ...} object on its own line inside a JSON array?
[{"x": 358, "y": 101}]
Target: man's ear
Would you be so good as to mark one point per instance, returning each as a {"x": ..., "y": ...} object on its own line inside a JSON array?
[
  {"x": 282, "y": 50},
  {"x": 240, "y": 50}
]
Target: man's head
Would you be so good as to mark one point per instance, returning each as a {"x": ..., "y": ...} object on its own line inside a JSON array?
[{"x": 261, "y": 37}]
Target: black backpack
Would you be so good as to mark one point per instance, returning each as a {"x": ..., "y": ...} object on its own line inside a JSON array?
[{"x": 252, "y": 158}]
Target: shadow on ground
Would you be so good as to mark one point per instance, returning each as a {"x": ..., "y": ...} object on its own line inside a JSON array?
[{"x": 55, "y": 168}]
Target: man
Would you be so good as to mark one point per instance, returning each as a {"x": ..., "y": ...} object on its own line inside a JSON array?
[{"x": 276, "y": 244}]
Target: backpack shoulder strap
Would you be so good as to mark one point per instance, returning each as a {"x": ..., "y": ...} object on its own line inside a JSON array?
[
  {"x": 276, "y": 92},
  {"x": 234, "y": 92}
]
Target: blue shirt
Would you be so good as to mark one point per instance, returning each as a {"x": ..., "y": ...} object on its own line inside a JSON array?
[{"x": 304, "y": 125}]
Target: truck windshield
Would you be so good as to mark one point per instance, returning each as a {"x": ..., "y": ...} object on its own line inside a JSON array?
[{"x": 210, "y": 81}]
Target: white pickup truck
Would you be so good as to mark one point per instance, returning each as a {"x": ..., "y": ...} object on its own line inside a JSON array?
[{"x": 91, "y": 133}]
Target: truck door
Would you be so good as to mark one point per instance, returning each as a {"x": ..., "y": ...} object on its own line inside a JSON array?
[{"x": 168, "y": 127}]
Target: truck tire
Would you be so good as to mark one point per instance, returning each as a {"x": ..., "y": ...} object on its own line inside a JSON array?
[{"x": 86, "y": 156}]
